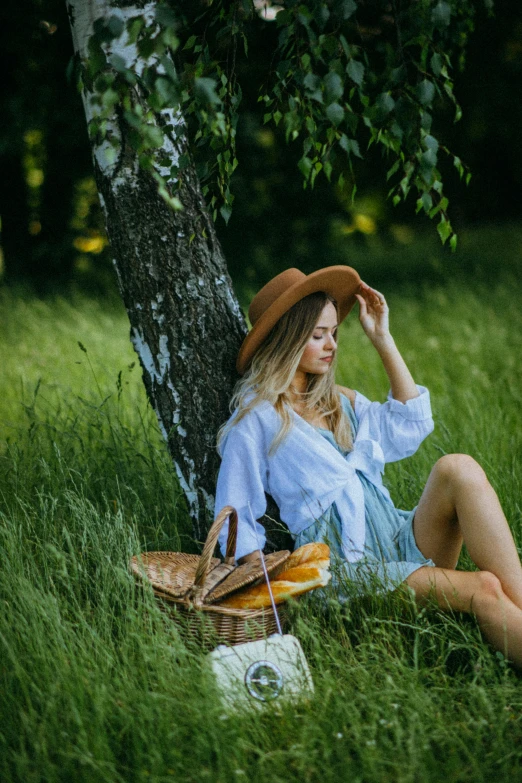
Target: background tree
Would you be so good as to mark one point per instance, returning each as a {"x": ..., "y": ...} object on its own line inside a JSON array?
[{"x": 185, "y": 321}]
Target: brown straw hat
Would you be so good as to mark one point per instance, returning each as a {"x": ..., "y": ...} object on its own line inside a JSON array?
[{"x": 284, "y": 291}]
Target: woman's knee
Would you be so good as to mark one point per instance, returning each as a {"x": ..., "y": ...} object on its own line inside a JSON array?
[
  {"x": 488, "y": 592},
  {"x": 479, "y": 592},
  {"x": 460, "y": 469}
]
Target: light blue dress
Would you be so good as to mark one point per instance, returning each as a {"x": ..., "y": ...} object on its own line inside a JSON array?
[{"x": 391, "y": 553}]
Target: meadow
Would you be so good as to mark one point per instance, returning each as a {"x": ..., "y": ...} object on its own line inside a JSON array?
[{"x": 97, "y": 685}]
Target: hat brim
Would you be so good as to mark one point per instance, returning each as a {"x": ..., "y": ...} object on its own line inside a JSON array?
[{"x": 340, "y": 282}]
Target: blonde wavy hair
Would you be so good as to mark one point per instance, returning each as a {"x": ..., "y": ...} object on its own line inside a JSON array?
[{"x": 273, "y": 367}]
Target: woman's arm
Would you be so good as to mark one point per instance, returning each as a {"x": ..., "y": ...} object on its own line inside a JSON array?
[
  {"x": 374, "y": 318},
  {"x": 242, "y": 483}
]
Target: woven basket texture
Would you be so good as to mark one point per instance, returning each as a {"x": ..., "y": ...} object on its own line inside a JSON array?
[
  {"x": 171, "y": 572},
  {"x": 210, "y": 626},
  {"x": 189, "y": 587}
]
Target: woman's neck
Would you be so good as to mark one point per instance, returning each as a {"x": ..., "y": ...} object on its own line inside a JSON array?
[
  {"x": 298, "y": 389},
  {"x": 299, "y": 382}
]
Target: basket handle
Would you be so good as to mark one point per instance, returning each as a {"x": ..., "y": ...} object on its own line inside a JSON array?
[{"x": 210, "y": 543}]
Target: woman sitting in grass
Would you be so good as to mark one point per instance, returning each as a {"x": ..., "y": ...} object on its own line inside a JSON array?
[{"x": 319, "y": 450}]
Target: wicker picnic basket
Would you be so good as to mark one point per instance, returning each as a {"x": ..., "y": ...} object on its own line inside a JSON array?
[{"x": 189, "y": 588}]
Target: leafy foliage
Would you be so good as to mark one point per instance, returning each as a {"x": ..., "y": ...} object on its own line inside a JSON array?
[{"x": 344, "y": 76}]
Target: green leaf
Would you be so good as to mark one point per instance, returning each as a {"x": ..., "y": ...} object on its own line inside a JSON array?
[
  {"x": 311, "y": 127},
  {"x": 431, "y": 143},
  {"x": 165, "y": 15},
  {"x": 344, "y": 44},
  {"x": 277, "y": 117},
  {"x": 458, "y": 165},
  {"x": 391, "y": 171},
  {"x": 100, "y": 34},
  {"x": 315, "y": 171},
  {"x": 225, "y": 213},
  {"x": 305, "y": 166},
  {"x": 425, "y": 92},
  {"x": 165, "y": 90},
  {"x": 384, "y": 104},
  {"x": 441, "y": 14},
  {"x": 190, "y": 43},
  {"x": 110, "y": 154},
  {"x": 134, "y": 27},
  {"x": 426, "y": 120},
  {"x": 172, "y": 201},
  {"x": 453, "y": 243},
  {"x": 205, "y": 89},
  {"x": 444, "y": 229},
  {"x": 169, "y": 67},
  {"x": 147, "y": 47},
  {"x": 322, "y": 14},
  {"x": 334, "y": 86},
  {"x": 427, "y": 201},
  {"x": 350, "y": 146},
  {"x": 153, "y": 136},
  {"x": 283, "y": 67},
  {"x": 428, "y": 159},
  {"x": 355, "y": 71},
  {"x": 328, "y": 170},
  {"x": 170, "y": 38},
  {"x": 311, "y": 82},
  {"x": 335, "y": 113},
  {"x": 132, "y": 119},
  {"x": 398, "y": 75},
  {"x": 109, "y": 98},
  {"x": 348, "y": 7},
  {"x": 118, "y": 63},
  {"x": 404, "y": 185},
  {"x": 396, "y": 130},
  {"x": 116, "y": 26},
  {"x": 354, "y": 146},
  {"x": 436, "y": 64}
]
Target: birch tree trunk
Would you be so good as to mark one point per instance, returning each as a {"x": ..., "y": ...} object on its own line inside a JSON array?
[{"x": 186, "y": 324}]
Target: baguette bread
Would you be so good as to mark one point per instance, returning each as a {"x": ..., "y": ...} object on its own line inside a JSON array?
[
  {"x": 291, "y": 582},
  {"x": 318, "y": 554}
]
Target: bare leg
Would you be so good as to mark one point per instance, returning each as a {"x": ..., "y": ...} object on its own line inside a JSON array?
[
  {"x": 459, "y": 504},
  {"x": 479, "y": 592}
]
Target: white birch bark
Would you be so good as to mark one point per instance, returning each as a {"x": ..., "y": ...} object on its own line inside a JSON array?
[{"x": 186, "y": 324}]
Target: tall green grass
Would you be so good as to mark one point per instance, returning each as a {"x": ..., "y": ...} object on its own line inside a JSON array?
[{"x": 97, "y": 684}]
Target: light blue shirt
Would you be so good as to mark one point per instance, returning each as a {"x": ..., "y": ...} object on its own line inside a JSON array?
[{"x": 306, "y": 474}]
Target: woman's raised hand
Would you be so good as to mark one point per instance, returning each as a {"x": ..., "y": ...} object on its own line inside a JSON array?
[{"x": 373, "y": 314}]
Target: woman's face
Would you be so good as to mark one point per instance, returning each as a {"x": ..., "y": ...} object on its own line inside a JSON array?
[{"x": 319, "y": 352}]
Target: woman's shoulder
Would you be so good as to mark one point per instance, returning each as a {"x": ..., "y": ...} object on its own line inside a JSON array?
[
  {"x": 253, "y": 419},
  {"x": 350, "y": 393}
]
